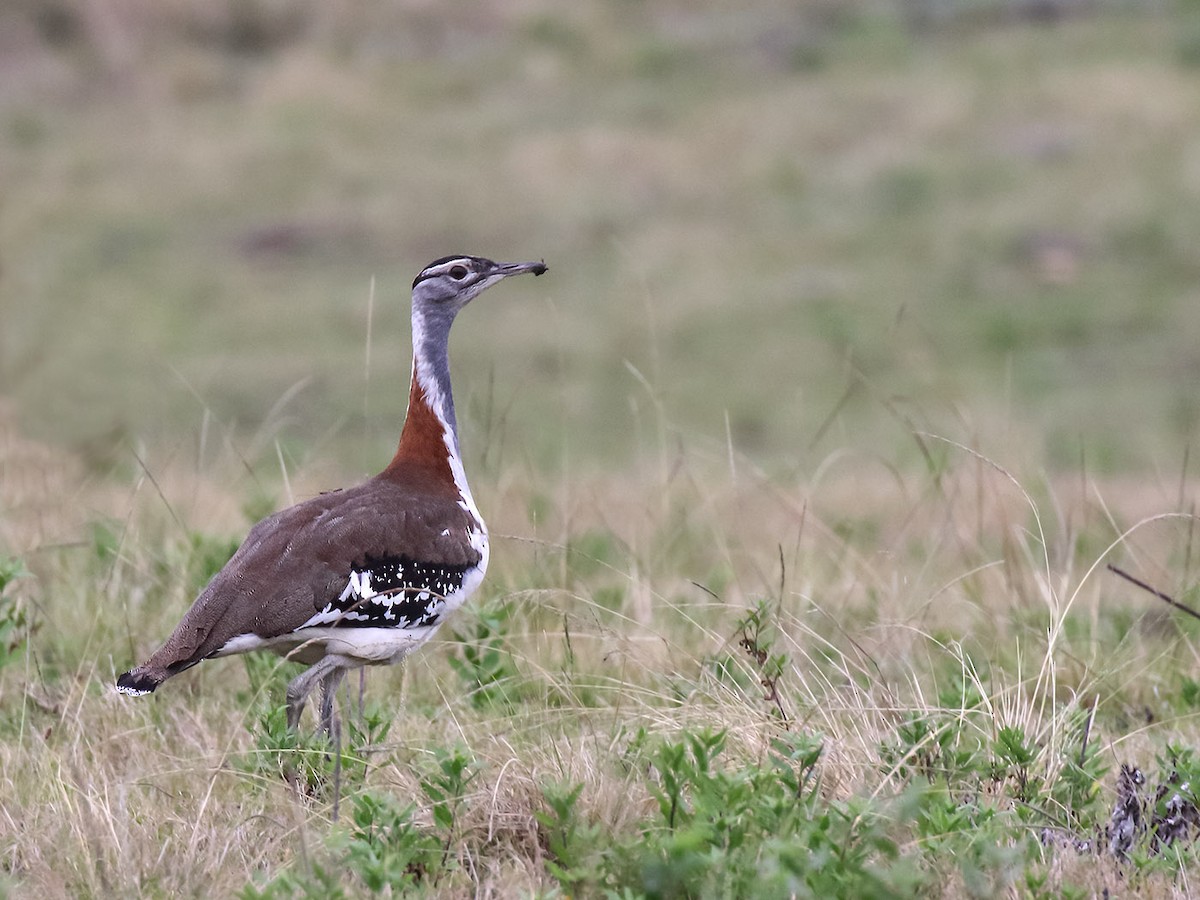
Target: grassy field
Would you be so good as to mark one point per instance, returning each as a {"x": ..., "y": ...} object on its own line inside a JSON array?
[{"x": 869, "y": 342}]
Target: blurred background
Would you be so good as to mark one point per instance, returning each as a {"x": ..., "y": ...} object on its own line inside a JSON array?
[{"x": 775, "y": 229}]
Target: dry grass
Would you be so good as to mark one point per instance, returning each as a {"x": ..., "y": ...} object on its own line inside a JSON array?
[{"x": 624, "y": 594}]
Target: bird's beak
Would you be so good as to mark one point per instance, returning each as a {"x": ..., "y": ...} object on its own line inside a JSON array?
[{"x": 506, "y": 269}]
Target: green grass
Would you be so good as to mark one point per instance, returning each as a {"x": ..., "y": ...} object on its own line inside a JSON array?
[
  {"x": 866, "y": 345},
  {"x": 667, "y": 687}
]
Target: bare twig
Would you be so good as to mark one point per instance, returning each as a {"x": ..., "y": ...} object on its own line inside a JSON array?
[
  {"x": 1166, "y": 598},
  {"x": 1087, "y": 730}
]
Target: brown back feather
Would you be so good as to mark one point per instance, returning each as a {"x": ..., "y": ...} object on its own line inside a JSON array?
[{"x": 292, "y": 563}]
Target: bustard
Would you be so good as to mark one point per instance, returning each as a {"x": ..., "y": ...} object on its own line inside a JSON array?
[{"x": 365, "y": 575}]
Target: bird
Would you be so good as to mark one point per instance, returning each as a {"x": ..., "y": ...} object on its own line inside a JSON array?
[{"x": 364, "y": 575}]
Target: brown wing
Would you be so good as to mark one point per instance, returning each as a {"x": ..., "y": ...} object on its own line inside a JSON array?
[{"x": 292, "y": 564}]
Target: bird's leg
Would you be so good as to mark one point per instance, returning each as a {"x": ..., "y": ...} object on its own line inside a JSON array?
[
  {"x": 329, "y": 686},
  {"x": 301, "y": 686},
  {"x": 337, "y": 766},
  {"x": 332, "y": 726}
]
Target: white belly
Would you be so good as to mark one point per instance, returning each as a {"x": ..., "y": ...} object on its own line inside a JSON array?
[{"x": 367, "y": 646}]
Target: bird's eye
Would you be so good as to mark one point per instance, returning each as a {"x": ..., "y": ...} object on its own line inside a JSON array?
[{"x": 458, "y": 273}]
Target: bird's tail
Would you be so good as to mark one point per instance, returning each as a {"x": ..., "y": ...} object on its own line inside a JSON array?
[{"x": 139, "y": 681}]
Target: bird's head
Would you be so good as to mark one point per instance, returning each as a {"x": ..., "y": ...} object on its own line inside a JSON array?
[{"x": 448, "y": 284}]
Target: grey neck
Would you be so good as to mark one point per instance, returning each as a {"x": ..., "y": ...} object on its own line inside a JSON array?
[{"x": 431, "y": 363}]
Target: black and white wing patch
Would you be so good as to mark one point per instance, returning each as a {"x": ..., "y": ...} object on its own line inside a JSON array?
[{"x": 394, "y": 592}]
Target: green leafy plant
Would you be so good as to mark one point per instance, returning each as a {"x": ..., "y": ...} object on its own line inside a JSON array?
[
  {"x": 933, "y": 745},
  {"x": 309, "y": 760},
  {"x": 386, "y": 849},
  {"x": 483, "y": 662},
  {"x": 1077, "y": 789},
  {"x": 446, "y": 787},
  {"x": 16, "y": 626},
  {"x": 572, "y": 844},
  {"x": 1013, "y": 757},
  {"x": 757, "y": 634},
  {"x": 756, "y": 829},
  {"x": 301, "y": 758}
]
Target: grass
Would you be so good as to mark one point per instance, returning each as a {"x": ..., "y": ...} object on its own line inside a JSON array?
[
  {"x": 669, "y": 685},
  {"x": 865, "y": 349}
]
